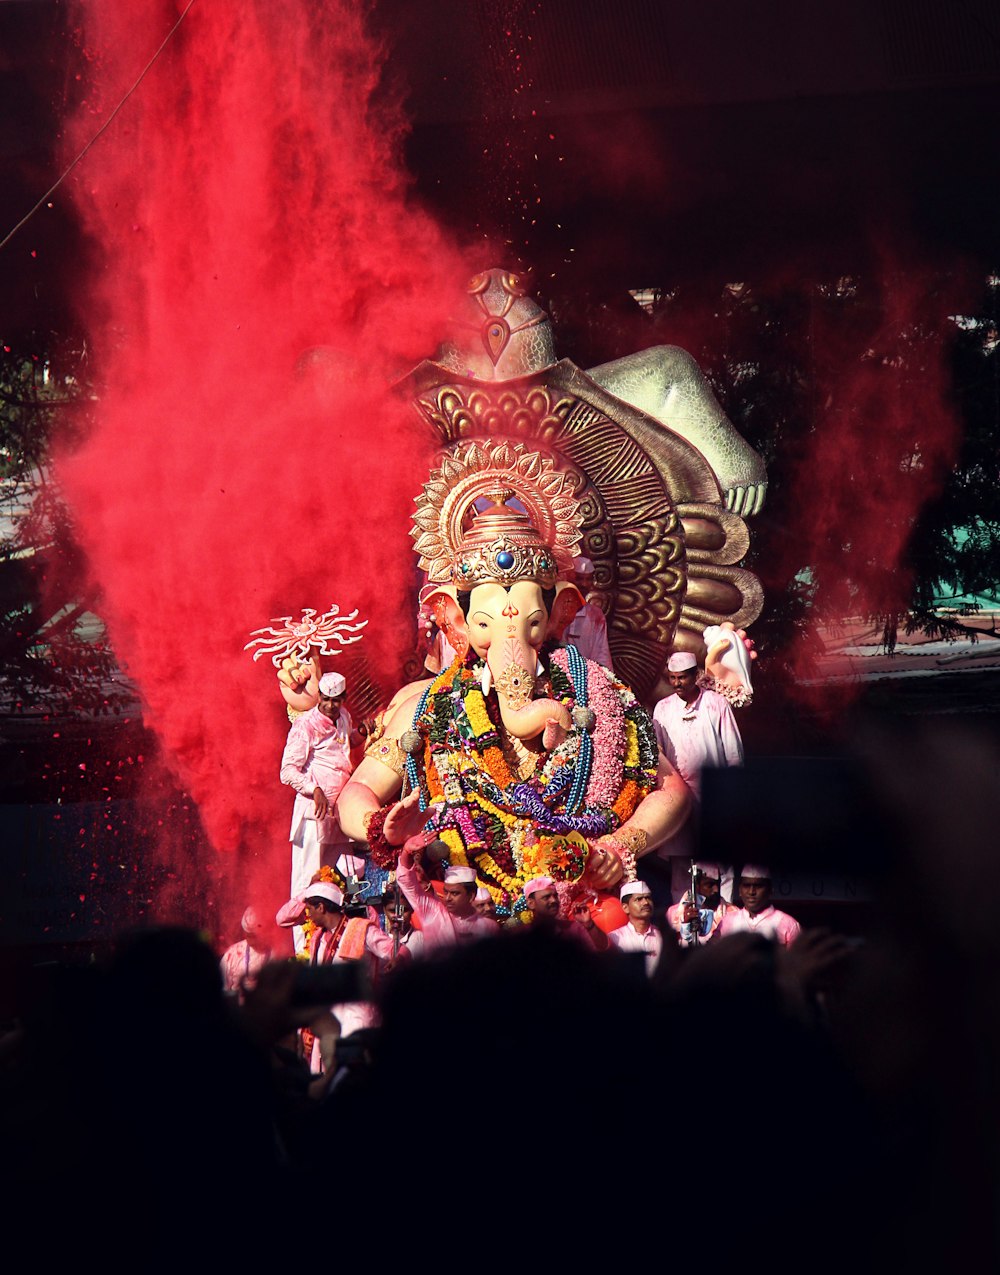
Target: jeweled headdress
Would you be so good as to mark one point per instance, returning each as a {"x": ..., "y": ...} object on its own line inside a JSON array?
[{"x": 532, "y": 538}]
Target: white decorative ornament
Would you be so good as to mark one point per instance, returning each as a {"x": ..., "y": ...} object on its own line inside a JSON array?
[
  {"x": 284, "y": 637},
  {"x": 736, "y": 657}
]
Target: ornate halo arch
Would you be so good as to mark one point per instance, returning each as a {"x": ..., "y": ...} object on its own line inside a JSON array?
[
  {"x": 485, "y": 468},
  {"x": 666, "y": 551}
]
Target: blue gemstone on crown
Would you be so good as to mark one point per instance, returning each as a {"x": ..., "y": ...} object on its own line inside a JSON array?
[{"x": 505, "y": 559}]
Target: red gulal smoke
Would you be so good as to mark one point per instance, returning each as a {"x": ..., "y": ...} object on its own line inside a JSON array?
[
  {"x": 258, "y": 279},
  {"x": 884, "y": 434}
]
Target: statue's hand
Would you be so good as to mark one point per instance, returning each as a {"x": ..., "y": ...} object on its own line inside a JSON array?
[
  {"x": 292, "y": 674},
  {"x": 404, "y": 820},
  {"x": 604, "y": 868},
  {"x": 746, "y": 501},
  {"x": 298, "y": 681},
  {"x": 729, "y": 654}
]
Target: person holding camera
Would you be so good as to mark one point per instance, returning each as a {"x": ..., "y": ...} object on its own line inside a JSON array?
[
  {"x": 401, "y": 938},
  {"x": 697, "y": 915},
  {"x": 334, "y": 938}
]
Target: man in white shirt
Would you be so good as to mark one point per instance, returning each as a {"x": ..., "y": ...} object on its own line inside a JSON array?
[
  {"x": 317, "y": 764},
  {"x": 542, "y": 901},
  {"x": 588, "y": 630},
  {"x": 242, "y": 962},
  {"x": 450, "y": 919},
  {"x": 638, "y": 934},
  {"x": 758, "y": 915},
  {"x": 694, "y": 728}
]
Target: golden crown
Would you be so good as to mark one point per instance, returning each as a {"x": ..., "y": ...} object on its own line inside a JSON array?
[
  {"x": 532, "y": 539},
  {"x": 502, "y": 546}
]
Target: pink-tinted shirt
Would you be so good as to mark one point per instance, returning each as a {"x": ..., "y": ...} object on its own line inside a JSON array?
[
  {"x": 588, "y": 632},
  {"x": 771, "y": 923},
  {"x": 628, "y": 939},
  {"x": 317, "y": 754},
  {"x": 693, "y": 736},
  {"x": 380, "y": 943},
  {"x": 241, "y": 963},
  {"x": 439, "y": 927}
]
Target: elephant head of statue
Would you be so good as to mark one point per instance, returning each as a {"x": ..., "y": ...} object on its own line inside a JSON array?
[{"x": 505, "y": 602}]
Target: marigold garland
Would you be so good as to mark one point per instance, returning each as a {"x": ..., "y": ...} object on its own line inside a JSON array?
[
  {"x": 512, "y": 829},
  {"x": 333, "y": 877}
]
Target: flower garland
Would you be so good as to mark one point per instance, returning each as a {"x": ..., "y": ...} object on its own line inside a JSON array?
[
  {"x": 511, "y": 829},
  {"x": 332, "y": 877}
]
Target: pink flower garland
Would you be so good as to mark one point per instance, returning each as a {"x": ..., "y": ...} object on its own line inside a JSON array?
[{"x": 608, "y": 766}]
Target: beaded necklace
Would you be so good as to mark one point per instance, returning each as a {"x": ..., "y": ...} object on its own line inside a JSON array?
[{"x": 510, "y": 828}]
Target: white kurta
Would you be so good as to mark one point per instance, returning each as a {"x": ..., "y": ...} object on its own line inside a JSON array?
[
  {"x": 628, "y": 939},
  {"x": 588, "y": 632},
  {"x": 317, "y": 754},
  {"x": 693, "y": 736},
  {"x": 771, "y": 923}
]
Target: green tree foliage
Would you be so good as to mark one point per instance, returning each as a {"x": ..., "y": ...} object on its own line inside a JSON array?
[{"x": 53, "y": 648}]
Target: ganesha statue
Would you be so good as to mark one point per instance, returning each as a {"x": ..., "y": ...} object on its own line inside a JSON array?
[{"x": 523, "y": 758}]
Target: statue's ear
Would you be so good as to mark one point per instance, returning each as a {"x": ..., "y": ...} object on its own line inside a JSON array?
[
  {"x": 568, "y": 601},
  {"x": 447, "y": 615}
]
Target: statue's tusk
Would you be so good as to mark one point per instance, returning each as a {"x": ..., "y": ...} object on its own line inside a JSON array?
[{"x": 487, "y": 679}]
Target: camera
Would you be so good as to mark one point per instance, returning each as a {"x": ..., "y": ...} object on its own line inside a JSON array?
[{"x": 354, "y": 905}]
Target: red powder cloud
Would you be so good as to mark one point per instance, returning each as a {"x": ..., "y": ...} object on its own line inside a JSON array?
[
  {"x": 245, "y": 208},
  {"x": 883, "y": 435}
]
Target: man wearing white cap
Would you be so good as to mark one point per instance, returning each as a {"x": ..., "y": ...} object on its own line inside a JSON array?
[
  {"x": 335, "y": 939},
  {"x": 242, "y": 962},
  {"x": 450, "y": 919},
  {"x": 317, "y": 764},
  {"x": 697, "y": 919},
  {"x": 695, "y": 728},
  {"x": 758, "y": 915},
  {"x": 638, "y": 934},
  {"x": 588, "y": 630},
  {"x": 484, "y": 904}
]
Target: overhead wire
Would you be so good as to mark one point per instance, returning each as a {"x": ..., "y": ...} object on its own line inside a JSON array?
[{"x": 107, "y": 123}]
